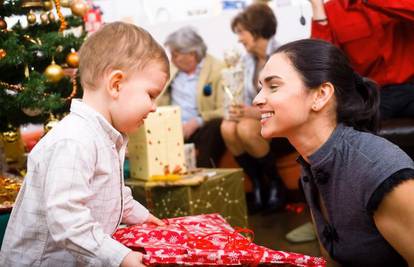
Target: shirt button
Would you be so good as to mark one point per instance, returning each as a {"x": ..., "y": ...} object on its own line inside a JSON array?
[
  {"x": 329, "y": 232},
  {"x": 321, "y": 177}
]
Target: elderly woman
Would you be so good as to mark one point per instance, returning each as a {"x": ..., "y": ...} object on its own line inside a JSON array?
[
  {"x": 195, "y": 86},
  {"x": 255, "y": 28},
  {"x": 359, "y": 186}
]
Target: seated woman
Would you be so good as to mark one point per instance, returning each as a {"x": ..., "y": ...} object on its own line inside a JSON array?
[
  {"x": 359, "y": 186},
  {"x": 255, "y": 28}
]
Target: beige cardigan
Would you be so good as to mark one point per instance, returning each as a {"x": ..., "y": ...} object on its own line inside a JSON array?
[{"x": 211, "y": 106}]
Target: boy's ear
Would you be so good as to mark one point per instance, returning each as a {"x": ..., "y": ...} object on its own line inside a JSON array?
[
  {"x": 115, "y": 79},
  {"x": 322, "y": 96}
]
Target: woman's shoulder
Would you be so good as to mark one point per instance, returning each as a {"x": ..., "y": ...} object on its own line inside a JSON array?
[{"x": 374, "y": 149}]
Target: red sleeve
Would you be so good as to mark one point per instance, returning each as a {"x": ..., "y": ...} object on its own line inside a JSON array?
[
  {"x": 319, "y": 31},
  {"x": 400, "y": 9}
]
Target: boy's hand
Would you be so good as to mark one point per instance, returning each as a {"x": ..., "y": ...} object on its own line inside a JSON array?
[
  {"x": 153, "y": 219},
  {"x": 132, "y": 259}
]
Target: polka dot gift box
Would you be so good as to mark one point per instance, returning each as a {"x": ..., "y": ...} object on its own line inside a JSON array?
[{"x": 157, "y": 147}]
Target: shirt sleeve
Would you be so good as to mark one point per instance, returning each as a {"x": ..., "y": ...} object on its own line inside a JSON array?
[
  {"x": 134, "y": 212},
  {"x": 319, "y": 31},
  {"x": 387, "y": 186},
  {"x": 324, "y": 31},
  {"x": 70, "y": 166},
  {"x": 400, "y": 9}
]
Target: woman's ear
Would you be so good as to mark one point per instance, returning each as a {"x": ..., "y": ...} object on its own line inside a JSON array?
[
  {"x": 114, "y": 85},
  {"x": 322, "y": 96}
]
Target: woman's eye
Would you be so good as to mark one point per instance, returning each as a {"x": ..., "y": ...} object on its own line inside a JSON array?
[{"x": 273, "y": 88}]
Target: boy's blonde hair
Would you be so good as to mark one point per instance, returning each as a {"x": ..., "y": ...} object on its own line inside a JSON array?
[{"x": 120, "y": 46}]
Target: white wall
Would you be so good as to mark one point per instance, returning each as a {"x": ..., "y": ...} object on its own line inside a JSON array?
[{"x": 161, "y": 17}]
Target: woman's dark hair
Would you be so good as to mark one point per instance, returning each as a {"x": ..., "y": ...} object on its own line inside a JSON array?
[
  {"x": 357, "y": 98},
  {"x": 258, "y": 19}
]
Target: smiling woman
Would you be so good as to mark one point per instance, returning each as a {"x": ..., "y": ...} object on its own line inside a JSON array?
[
  {"x": 357, "y": 184},
  {"x": 255, "y": 28}
]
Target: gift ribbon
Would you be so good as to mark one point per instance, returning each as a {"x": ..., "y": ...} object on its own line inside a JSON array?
[{"x": 235, "y": 241}]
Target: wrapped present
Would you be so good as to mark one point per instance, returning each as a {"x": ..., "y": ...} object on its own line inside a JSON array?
[
  {"x": 220, "y": 191},
  {"x": 157, "y": 147},
  {"x": 190, "y": 156},
  {"x": 233, "y": 80},
  {"x": 204, "y": 240}
]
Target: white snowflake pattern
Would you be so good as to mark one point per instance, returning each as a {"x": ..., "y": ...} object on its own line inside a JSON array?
[
  {"x": 318, "y": 261},
  {"x": 153, "y": 239},
  {"x": 160, "y": 253},
  {"x": 171, "y": 254},
  {"x": 302, "y": 260},
  {"x": 128, "y": 235},
  {"x": 212, "y": 256},
  {"x": 233, "y": 256},
  {"x": 173, "y": 239},
  {"x": 276, "y": 258}
]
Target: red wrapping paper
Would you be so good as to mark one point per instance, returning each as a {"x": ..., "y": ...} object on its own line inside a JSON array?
[{"x": 203, "y": 240}]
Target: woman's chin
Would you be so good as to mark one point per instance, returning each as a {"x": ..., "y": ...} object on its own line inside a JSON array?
[{"x": 268, "y": 134}]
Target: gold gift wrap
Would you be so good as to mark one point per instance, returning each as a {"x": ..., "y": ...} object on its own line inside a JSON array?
[
  {"x": 9, "y": 188},
  {"x": 210, "y": 191}
]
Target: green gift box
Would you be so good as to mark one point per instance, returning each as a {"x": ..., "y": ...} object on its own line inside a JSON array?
[{"x": 222, "y": 191}]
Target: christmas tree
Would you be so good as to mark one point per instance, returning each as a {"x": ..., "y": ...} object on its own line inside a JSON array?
[{"x": 38, "y": 62}]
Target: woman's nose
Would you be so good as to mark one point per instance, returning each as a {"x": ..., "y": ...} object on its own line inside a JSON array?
[{"x": 260, "y": 99}]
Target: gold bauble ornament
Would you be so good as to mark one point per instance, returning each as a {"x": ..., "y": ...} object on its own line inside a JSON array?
[
  {"x": 31, "y": 17},
  {"x": 54, "y": 73},
  {"x": 48, "y": 5},
  {"x": 79, "y": 8},
  {"x": 72, "y": 59},
  {"x": 65, "y": 3},
  {"x": 59, "y": 48},
  {"x": 44, "y": 18},
  {"x": 51, "y": 16},
  {"x": 10, "y": 136},
  {"x": 32, "y": 112},
  {"x": 31, "y": 3},
  {"x": 3, "y": 24},
  {"x": 3, "y": 53},
  {"x": 50, "y": 123}
]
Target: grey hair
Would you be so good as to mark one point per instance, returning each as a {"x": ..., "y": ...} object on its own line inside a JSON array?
[{"x": 186, "y": 40}]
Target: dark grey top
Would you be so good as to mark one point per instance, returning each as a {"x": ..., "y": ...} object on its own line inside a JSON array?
[{"x": 346, "y": 171}]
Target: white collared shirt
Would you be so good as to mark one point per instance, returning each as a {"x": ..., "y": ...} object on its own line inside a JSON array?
[{"x": 73, "y": 197}]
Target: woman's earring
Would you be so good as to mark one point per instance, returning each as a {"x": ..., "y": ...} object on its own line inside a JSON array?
[{"x": 315, "y": 107}]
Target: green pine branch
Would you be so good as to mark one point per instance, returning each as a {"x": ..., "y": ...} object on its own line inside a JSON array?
[{"x": 29, "y": 50}]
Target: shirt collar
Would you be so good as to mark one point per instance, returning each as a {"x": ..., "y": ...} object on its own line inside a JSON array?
[
  {"x": 196, "y": 72},
  {"x": 319, "y": 160},
  {"x": 81, "y": 109}
]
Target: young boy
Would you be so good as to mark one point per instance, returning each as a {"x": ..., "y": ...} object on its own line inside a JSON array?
[{"x": 73, "y": 197}]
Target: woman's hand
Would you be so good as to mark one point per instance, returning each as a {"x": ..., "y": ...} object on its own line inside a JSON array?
[
  {"x": 318, "y": 10},
  {"x": 236, "y": 112},
  {"x": 252, "y": 112},
  {"x": 190, "y": 127}
]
